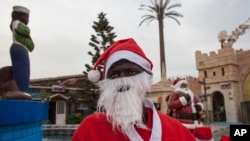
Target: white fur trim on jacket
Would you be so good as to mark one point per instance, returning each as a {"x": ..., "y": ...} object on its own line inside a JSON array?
[{"x": 156, "y": 128}]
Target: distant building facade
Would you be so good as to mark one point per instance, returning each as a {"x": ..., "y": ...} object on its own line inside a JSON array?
[
  {"x": 62, "y": 93},
  {"x": 227, "y": 78},
  {"x": 227, "y": 73}
]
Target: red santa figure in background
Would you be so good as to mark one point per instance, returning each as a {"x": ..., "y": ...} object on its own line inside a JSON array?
[{"x": 184, "y": 106}]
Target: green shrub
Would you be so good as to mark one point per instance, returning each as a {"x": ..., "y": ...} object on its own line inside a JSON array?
[{"x": 74, "y": 118}]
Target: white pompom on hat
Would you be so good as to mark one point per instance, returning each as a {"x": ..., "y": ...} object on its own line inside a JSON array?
[
  {"x": 203, "y": 133},
  {"x": 94, "y": 76},
  {"x": 21, "y": 9},
  {"x": 122, "y": 49},
  {"x": 177, "y": 82}
]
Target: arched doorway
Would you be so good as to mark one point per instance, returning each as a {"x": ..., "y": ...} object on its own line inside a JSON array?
[
  {"x": 245, "y": 104},
  {"x": 57, "y": 108},
  {"x": 219, "y": 112},
  {"x": 246, "y": 88}
]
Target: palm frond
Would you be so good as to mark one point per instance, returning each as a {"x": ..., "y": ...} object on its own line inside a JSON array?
[
  {"x": 147, "y": 18},
  {"x": 174, "y": 5},
  {"x": 148, "y": 8},
  {"x": 173, "y": 13},
  {"x": 154, "y": 3},
  {"x": 171, "y": 17},
  {"x": 166, "y": 4}
]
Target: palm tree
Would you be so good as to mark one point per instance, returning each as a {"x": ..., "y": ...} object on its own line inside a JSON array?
[{"x": 160, "y": 10}]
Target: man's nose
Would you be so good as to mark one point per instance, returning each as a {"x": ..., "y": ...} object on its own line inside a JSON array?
[{"x": 122, "y": 74}]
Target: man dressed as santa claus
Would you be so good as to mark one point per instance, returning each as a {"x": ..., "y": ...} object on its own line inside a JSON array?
[
  {"x": 184, "y": 106},
  {"x": 128, "y": 115}
]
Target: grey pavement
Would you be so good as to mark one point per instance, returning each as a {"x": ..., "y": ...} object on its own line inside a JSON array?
[{"x": 218, "y": 126}]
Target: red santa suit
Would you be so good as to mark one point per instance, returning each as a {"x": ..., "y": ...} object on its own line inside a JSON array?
[
  {"x": 224, "y": 137},
  {"x": 96, "y": 127},
  {"x": 183, "y": 110}
]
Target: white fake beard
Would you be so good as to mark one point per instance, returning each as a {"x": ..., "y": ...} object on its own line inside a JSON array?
[{"x": 122, "y": 100}]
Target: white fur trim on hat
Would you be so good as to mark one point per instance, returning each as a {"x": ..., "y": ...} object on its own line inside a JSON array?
[
  {"x": 178, "y": 84},
  {"x": 130, "y": 56},
  {"x": 21, "y": 9},
  {"x": 94, "y": 76}
]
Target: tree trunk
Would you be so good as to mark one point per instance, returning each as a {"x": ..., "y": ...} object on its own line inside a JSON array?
[{"x": 162, "y": 49}]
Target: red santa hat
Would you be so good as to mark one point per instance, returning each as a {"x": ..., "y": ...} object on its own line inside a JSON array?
[
  {"x": 177, "y": 82},
  {"x": 21, "y": 9},
  {"x": 123, "y": 49},
  {"x": 203, "y": 133}
]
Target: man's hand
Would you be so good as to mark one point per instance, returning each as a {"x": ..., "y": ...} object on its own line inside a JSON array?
[
  {"x": 198, "y": 107},
  {"x": 187, "y": 97}
]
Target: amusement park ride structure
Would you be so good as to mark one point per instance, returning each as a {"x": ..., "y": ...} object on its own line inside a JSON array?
[{"x": 224, "y": 38}]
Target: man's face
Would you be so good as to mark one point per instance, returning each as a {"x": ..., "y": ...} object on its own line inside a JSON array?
[
  {"x": 123, "y": 68},
  {"x": 183, "y": 85},
  {"x": 182, "y": 88},
  {"x": 122, "y": 94},
  {"x": 25, "y": 18}
]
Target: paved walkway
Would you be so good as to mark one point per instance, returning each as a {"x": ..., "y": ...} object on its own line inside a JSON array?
[
  {"x": 218, "y": 126},
  {"x": 221, "y": 128}
]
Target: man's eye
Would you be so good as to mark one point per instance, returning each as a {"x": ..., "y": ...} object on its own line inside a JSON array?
[
  {"x": 113, "y": 75},
  {"x": 132, "y": 72}
]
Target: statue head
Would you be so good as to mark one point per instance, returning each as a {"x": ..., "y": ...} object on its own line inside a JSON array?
[{"x": 20, "y": 13}]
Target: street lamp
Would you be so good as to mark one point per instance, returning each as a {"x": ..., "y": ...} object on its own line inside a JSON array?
[{"x": 203, "y": 82}]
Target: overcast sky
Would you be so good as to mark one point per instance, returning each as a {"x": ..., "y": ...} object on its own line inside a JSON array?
[{"x": 61, "y": 30}]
